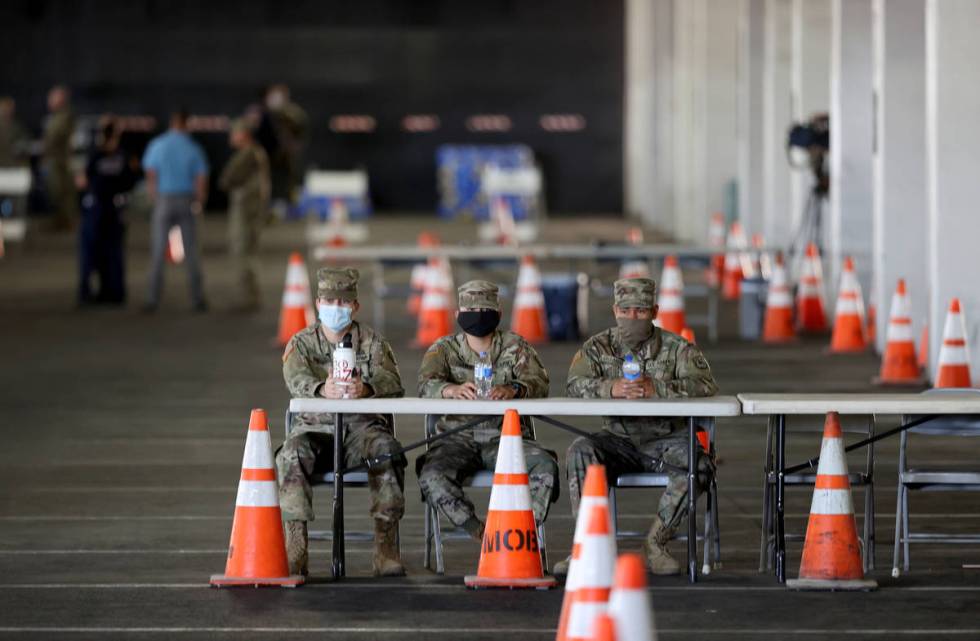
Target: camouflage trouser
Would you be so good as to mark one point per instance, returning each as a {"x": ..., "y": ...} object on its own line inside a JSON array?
[
  {"x": 243, "y": 243},
  {"x": 626, "y": 459},
  {"x": 455, "y": 458},
  {"x": 306, "y": 453}
]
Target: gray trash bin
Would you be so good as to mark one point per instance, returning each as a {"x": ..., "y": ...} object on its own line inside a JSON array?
[{"x": 752, "y": 308}]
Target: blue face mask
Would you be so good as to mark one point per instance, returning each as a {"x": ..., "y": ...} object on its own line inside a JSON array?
[{"x": 335, "y": 317}]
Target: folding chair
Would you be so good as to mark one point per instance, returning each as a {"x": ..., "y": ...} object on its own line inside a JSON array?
[
  {"x": 712, "y": 532},
  {"x": 863, "y": 479},
  {"x": 433, "y": 532},
  {"x": 932, "y": 479},
  {"x": 352, "y": 479}
]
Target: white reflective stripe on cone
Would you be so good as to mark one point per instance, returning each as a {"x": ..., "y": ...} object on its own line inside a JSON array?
[
  {"x": 780, "y": 298},
  {"x": 510, "y": 456},
  {"x": 952, "y": 355},
  {"x": 830, "y": 502},
  {"x": 510, "y": 498},
  {"x": 532, "y": 298},
  {"x": 258, "y": 450},
  {"x": 582, "y": 616},
  {"x": 832, "y": 462},
  {"x": 630, "y": 609},
  {"x": 294, "y": 299},
  {"x": 954, "y": 326},
  {"x": 257, "y": 494},
  {"x": 847, "y": 306},
  {"x": 900, "y": 332},
  {"x": 900, "y": 306}
]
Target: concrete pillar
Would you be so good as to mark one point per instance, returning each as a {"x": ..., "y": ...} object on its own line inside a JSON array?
[
  {"x": 777, "y": 224},
  {"x": 851, "y": 139},
  {"x": 720, "y": 109},
  {"x": 952, "y": 144},
  {"x": 810, "y": 82},
  {"x": 751, "y": 122},
  {"x": 899, "y": 165},
  {"x": 663, "y": 41},
  {"x": 639, "y": 112}
]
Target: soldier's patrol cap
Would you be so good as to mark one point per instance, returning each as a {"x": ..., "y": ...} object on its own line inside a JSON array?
[
  {"x": 479, "y": 294},
  {"x": 337, "y": 282},
  {"x": 239, "y": 124},
  {"x": 635, "y": 292}
]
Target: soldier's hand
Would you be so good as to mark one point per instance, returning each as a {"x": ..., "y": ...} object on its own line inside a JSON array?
[
  {"x": 334, "y": 389},
  {"x": 640, "y": 388},
  {"x": 356, "y": 387},
  {"x": 645, "y": 385},
  {"x": 621, "y": 388},
  {"x": 466, "y": 390},
  {"x": 502, "y": 392}
]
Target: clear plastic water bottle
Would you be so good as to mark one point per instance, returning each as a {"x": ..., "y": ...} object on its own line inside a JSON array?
[
  {"x": 631, "y": 368},
  {"x": 483, "y": 375}
]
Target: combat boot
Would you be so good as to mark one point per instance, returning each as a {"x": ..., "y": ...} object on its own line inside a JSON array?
[
  {"x": 474, "y": 527},
  {"x": 296, "y": 547},
  {"x": 655, "y": 546},
  {"x": 561, "y": 567},
  {"x": 387, "y": 558}
]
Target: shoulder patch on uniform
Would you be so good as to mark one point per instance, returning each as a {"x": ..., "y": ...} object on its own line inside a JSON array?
[
  {"x": 432, "y": 352},
  {"x": 700, "y": 362}
]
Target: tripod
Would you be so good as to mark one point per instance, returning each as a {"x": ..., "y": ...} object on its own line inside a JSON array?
[{"x": 810, "y": 228}]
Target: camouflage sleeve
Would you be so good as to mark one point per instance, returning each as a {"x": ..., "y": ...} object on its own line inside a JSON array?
[
  {"x": 531, "y": 375},
  {"x": 237, "y": 171},
  {"x": 585, "y": 377},
  {"x": 385, "y": 379},
  {"x": 434, "y": 372},
  {"x": 297, "y": 373},
  {"x": 693, "y": 376}
]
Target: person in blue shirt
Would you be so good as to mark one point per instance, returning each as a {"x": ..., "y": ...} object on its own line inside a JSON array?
[{"x": 177, "y": 184}]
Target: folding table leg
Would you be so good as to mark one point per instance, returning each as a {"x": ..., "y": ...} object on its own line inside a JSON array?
[
  {"x": 780, "y": 498},
  {"x": 692, "y": 513},
  {"x": 338, "y": 496}
]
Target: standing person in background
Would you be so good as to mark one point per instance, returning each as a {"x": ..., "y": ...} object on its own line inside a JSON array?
[
  {"x": 109, "y": 174},
  {"x": 246, "y": 179},
  {"x": 177, "y": 184},
  {"x": 284, "y": 125},
  {"x": 13, "y": 136},
  {"x": 57, "y": 159}
]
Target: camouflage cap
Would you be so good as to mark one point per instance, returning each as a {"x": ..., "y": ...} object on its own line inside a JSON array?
[
  {"x": 337, "y": 282},
  {"x": 239, "y": 124},
  {"x": 479, "y": 294},
  {"x": 635, "y": 292}
]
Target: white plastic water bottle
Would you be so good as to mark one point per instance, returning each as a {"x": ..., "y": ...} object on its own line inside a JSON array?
[
  {"x": 343, "y": 361},
  {"x": 631, "y": 368},
  {"x": 483, "y": 375}
]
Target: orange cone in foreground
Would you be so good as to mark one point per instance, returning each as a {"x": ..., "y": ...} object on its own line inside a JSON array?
[
  {"x": 831, "y": 552},
  {"x": 604, "y": 628},
  {"x": 510, "y": 556},
  {"x": 595, "y": 576},
  {"x": 435, "y": 315},
  {"x": 529, "y": 318},
  {"x": 671, "y": 297},
  {"x": 848, "y": 335},
  {"x": 595, "y": 492},
  {"x": 716, "y": 239},
  {"x": 810, "y": 314},
  {"x": 953, "y": 369},
  {"x": 297, "y": 305},
  {"x": 257, "y": 552},
  {"x": 899, "y": 365},
  {"x": 629, "y": 603},
  {"x": 778, "y": 324}
]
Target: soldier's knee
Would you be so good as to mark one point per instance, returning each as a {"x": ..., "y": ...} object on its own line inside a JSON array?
[
  {"x": 542, "y": 465},
  {"x": 581, "y": 448}
]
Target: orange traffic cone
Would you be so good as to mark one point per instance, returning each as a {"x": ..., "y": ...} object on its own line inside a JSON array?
[
  {"x": 503, "y": 220},
  {"x": 671, "y": 297},
  {"x": 435, "y": 315},
  {"x": 510, "y": 556},
  {"x": 898, "y": 365},
  {"x": 604, "y": 628},
  {"x": 595, "y": 492},
  {"x": 732, "y": 277},
  {"x": 629, "y": 604},
  {"x": 634, "y": 267},
  {"x": 688, "y": 334},
  {"x": 924, "y": 346},
  {"x": 716, "y": 239},
  {"x": 257, "y": 552},
  {"x": 529, "y": 318},
  {"x": 778, "y": 325},
  {"x": 175, "y": 246},
  {"x": 953, "y": 369},
  {"x": 761, "y": 259},
  {"x": 419, "y": 272},
  {"x": 848, "y": 335},
  {"x": 831, "y": 552},
  {"x": 595, "y": 576},
  {"x": 810, "y": 314},
  {"x": 297, "y": 310}
]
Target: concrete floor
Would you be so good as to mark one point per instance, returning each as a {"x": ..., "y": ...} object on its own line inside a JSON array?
[{"x": 122, "y": 437}]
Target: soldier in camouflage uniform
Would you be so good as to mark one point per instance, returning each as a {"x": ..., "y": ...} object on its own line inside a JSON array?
[
  {"x": 307, "y": 368},
  {"x": 57, "y": 159},
  {"x": 670, "y": 367},
  {"x": 246, "y": 179},
  {"x": 447, "y": 372}
]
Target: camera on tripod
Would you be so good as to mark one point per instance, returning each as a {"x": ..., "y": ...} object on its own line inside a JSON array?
[{"x": 807, "y": 145}]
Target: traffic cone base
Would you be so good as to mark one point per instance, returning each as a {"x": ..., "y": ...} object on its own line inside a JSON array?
[{"x": 953, "y": 365}]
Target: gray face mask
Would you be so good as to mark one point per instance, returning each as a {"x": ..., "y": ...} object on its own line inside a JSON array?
[{"x": 635, "y": 331}]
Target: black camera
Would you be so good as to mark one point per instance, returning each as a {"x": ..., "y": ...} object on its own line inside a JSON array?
[{"x": 813, "y": 135}]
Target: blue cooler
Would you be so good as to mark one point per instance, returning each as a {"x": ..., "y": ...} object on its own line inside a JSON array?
[{"x": 561, "y": 305}]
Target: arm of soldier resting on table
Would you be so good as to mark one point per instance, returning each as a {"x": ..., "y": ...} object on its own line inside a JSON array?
[
  {"x": 531, "y": 375},
  {"x": 585, "y": 378},
  {"x": 298, "y": 373},
  {"x": 434, "y": 373},
  {"x": 237, "y": 171},
  {"x": 385, "y": 381},
  {"x": 693, "y": 376}
]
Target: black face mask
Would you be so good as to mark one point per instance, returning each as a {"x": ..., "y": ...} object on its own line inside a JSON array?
[{"x": 479, "y": 323}]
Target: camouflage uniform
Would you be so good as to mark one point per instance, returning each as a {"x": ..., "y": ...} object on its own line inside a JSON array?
[
  {"x": 246, "y": 179},
  {"x": 677, "y": 369},
  {"x": 57, "y": 164},
  {"x": 306, "y": 364},
  {"x": 450, "y": 361}
]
